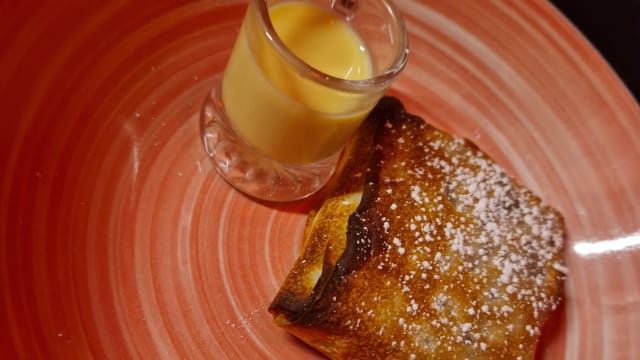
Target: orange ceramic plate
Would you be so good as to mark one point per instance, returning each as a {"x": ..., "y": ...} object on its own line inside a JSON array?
[{"x": 118, "y": 239}]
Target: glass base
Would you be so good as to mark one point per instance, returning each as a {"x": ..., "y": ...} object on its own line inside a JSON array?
[{"x": 249, "y": 171}]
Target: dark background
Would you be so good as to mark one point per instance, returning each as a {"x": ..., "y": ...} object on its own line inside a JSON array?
[{"x": 613, "y": 27}]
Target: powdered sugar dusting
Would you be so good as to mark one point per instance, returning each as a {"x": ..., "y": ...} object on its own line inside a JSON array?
[{"x": 476, "y": 265}]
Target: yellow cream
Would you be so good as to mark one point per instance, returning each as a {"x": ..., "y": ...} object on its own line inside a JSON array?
[{"x": 281, "y": 113}]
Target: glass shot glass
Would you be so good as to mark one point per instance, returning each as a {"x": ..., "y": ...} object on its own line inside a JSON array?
[{"x": 301, "y": 78}]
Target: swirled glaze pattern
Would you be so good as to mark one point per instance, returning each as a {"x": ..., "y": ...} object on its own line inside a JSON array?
[{"x": 118, "y": 240}]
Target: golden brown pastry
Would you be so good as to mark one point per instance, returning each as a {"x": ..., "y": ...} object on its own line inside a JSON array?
[{"x": 422, "y": 248}]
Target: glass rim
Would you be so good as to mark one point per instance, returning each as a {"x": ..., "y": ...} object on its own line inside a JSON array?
[{"x": 364, "y": 85}]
